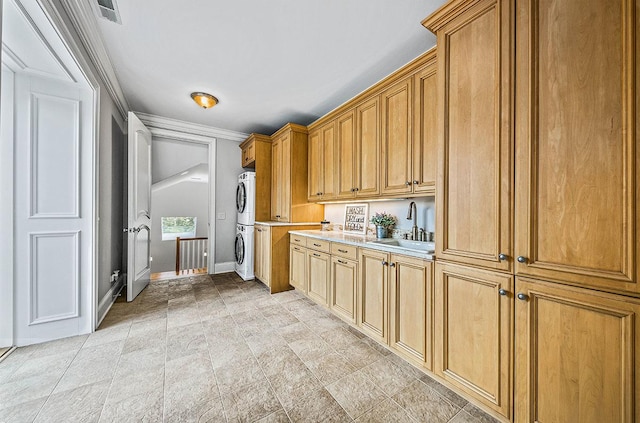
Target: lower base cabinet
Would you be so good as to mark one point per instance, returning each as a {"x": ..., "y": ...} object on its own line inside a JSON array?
[
  {"x": 298, "y": 267},
  {"x": 410, "y": 308},
  {"x": 473, "y": 328},
  {"x": 577, "y": 354},
  {"x": 318, "y": 265},
  {"x": 373, "y": 289},
  {"x": 344, "y": 284}
]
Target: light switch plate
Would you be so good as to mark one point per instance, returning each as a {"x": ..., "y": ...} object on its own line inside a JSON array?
[{"x": 222, "y": 216}]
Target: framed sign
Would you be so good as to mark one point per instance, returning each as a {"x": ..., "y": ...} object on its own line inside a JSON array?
[{"x": 356, "y": 218}]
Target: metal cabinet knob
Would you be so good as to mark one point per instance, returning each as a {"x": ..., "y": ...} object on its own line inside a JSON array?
[
  {"x": 522, "y": 259},
  {"x": 319, "y": 193},
  {"x": 523, "y": 297},
  {"x": 502, "y": 292},
  {"x": 407, "y": 183},
  {"x": 416, "y": 182},
  {"x": 357, "y": 189},
  {"x": 384, "y": 263},
  {"x": 392, "y": 264},
  {"x": 502, "y": 257}
]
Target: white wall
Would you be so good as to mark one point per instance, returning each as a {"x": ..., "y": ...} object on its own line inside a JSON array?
[
  {"x": 182, "y": 199},
  {"x": 399, "y": 208},
  {"x": 169, "y": 157},
  {"x": 228, "y": 159}
]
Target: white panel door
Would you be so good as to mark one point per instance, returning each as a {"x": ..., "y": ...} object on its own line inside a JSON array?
[
  {"x": 139, "y": 207},
  {"x": 53, "y": 210}
]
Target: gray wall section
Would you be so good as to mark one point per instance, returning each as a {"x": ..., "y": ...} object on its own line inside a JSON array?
[
  {"x": 228, "y": 159},
  {"x": 170, "y": 157},
  {"x": 182, "y": 199}
]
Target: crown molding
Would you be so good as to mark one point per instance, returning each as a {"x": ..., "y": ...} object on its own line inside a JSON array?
[
  {"x": 86, "y": 26},
  {"x": 162, "y": 126}
]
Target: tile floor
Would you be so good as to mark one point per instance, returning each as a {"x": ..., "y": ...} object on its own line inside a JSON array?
[{"x": 216, "y": 349}]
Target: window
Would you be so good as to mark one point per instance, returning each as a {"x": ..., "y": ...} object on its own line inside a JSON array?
[{"x": 174, "y": 227}]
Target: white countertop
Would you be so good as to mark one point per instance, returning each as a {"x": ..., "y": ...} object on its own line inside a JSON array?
[
  {"x": 273, "y": 223},
  {"x": 364, "y": 241}
]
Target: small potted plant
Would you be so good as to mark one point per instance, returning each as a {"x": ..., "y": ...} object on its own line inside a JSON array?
[{"x": 383, "y": 222}]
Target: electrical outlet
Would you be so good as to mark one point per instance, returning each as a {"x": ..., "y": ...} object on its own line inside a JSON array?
[{"x": 222, "y": 216}]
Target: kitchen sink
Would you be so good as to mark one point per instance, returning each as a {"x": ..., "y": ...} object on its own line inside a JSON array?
[{"x": 405, "y": 244}]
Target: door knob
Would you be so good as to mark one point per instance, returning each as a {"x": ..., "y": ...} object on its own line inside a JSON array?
[
  {"x": 502, "y": 292},
  {"x": 522, "y": 259},
  {"x": 502, "y": 257},
  {"x": 523, "y": 297}
]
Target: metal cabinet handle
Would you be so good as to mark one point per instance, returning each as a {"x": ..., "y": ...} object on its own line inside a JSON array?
[
  {"x": 502, "y": 257},
  {"x": 416, "y": 182},
  {"x": 502, "y": 292},
  {"x": 342, "y": 251},
  {"x": 296, "y": 248},
  {"x": 392, "y": 264},
  {"x": 317, "y": 245},
  {"x": 317, "y": 255},
  {"x": 343, "y": 262},
  {"x": 384, "y": 263},
  {"x": 407, "y": 183},
  {"x": 523, "y": 297},
  {"x": 522, "y": 259}
]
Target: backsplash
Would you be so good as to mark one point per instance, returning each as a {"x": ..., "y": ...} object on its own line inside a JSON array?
[{"x": 399, "y": 208}]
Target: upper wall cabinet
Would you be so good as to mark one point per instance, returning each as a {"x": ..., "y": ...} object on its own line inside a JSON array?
[
  {"x": 321, "y": 162},
  {"x": 346, "y": 154},
  {"x": 368, "y": 148},
  {"x": 256, "y": 154},
  {"x": 425, "y": 90},
  {"x": 289, "y": 177},
  {"x": 473, "y": 205},
  {"x": 577, "y": 142}
]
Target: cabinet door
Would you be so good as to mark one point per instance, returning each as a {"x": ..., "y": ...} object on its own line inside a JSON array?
[
  {"x": 344, "y": 281},
  {"x": 410, "y": 289},
  {"x": 276, "y": 179},
  {"x": 346, "y": 155},
  {"x": 373, "y": 303},
  {"x": 473, "y": 211},
  {"x": 285, "y": 189},
  {"x": 298, "y": 267},
  {"x": 249, "y": 154},
  {"x": 397, "y": 139},
  {"x": 576, "y": 356},
  {"x": 315, "y": 165},
  {"x": 473, "y": 333},
  {"x": 258, "y": 251},
  {"x": 368, "y": 148},
  {"x": 577, "y": 142},
  {"x": 328, "y": 189},
  {"x": 266, "y": 255},
  {"x": 425, "y": 130},
  {"x": 318, "y": 268}
]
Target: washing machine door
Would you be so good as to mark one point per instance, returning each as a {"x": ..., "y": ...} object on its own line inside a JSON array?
[
  {"x": 239, "y": 249},
  {"x": 241, "y": 197}
]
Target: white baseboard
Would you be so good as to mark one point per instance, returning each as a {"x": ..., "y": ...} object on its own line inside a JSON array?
[
  {"x": 107, "y": 301},
  {"x": 229, "y": 266}
]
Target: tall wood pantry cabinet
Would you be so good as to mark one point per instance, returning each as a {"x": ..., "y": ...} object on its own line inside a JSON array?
[
  {"x": 537, "y": 207},
  {"x": 289, "y": 177}
]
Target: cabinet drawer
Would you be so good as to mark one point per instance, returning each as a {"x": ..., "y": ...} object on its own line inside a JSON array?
[
  {"x": 318, "y": 245},
  {"x": 344, "y": 250},
  {"x": 298, "y": 240}
]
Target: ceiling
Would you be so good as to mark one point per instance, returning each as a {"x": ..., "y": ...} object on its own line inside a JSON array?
[{"x": 268, "y": 62}]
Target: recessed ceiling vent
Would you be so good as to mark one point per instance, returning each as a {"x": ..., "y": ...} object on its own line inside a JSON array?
[{"x": 108, "y": 9}]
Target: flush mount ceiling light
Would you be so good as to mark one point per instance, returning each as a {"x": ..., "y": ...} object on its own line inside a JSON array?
[{"x": 204, "y": 100}]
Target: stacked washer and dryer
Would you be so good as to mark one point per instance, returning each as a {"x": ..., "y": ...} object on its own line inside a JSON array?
[{"x": 246, "y": 206}]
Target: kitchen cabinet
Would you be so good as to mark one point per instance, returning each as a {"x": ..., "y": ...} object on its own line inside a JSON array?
[
  {"x": 321, "y": 163},
  {"x": 346, "y": 154},
  {"x": 576, "y": 354},
  {"x": 256, "y": 154},
  {"x": 475, "y": 145},
  {"x": 344, "y": 281},
  {"x": 273, "y": 254},
  {"x": 397, "y": 135},
  {"x": 373, "y": 311},
  {"x": 576, "y": 138},
  {"x": 367, "y": 162},
  {"x": 425, "y": 134},
  {"x": 473, "y": 333},
  {"x": 298, "y": 267},
  {"x": 410, "y": 308},
  {"x": 318, "y": 265},
  {"x": 289, "y": 177},
  {"x": 262, "y": 262}
]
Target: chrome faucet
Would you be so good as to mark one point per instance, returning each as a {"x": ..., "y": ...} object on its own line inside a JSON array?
[{"x": 413, "y": 212}]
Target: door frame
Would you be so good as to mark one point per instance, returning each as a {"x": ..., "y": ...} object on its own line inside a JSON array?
[
  {"x": 211, "y": 143},
  {"x": 47, "y": 20}
]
